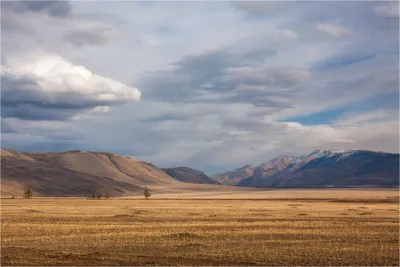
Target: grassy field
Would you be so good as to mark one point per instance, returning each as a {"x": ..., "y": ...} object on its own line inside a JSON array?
[{"x": 336, "y": 231}]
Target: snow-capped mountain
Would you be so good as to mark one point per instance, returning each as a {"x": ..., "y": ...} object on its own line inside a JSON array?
[
  {"x": 331, "y": 153},
  {"x": 320, "y": 168}
]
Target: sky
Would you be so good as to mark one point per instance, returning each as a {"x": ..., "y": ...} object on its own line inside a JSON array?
[{"x": 207, "y": 85}]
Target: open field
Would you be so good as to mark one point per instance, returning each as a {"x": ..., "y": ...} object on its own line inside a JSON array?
[
  {"x": 361, "y": 227},
  {"x": 235, "y": 192}
]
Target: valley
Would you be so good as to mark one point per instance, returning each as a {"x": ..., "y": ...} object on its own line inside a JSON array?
[
  {"x": 351, "y": 227},
  {"x": 190, "y": 218}
]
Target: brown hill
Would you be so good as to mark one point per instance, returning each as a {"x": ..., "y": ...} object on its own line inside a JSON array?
[{"x": 76, "y": 173}]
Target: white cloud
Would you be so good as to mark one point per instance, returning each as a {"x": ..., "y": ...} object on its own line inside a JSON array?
[
  {"x": 39, "y": 85},
  {"x": 54, "y": 74},
  {"x": 390, "y": 10},
  {"x": 332, "y": 28},
  {"x": 101, "y": 109}
]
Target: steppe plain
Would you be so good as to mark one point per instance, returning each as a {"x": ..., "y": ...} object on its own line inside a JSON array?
[{"x": 272, "y": 227}]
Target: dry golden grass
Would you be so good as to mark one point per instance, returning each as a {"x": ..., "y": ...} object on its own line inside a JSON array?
[{"x": 199, "y": 232}]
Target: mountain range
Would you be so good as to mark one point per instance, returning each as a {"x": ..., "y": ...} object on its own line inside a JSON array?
[
  {"x": 76, "y": 173},
  {"x": 321, "y": 168}
]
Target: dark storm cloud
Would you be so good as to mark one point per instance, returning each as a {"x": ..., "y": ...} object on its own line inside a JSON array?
[
  {"x": 224, "y": 77},
  {"x": 23, "y": 98},
  {"x": 33, "y": 113},
  {"x": 188, "y": 76},
  {"x": 58, "y": 9}
]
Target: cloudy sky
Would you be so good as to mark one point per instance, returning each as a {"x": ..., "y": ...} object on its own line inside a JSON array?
[{"x": 208, "y": 85}]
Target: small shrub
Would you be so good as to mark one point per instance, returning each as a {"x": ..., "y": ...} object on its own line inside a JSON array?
[{"x": 146, "y": 193}]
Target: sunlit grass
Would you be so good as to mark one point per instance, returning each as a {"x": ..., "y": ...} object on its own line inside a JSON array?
[{"x": 198, "y": 232}]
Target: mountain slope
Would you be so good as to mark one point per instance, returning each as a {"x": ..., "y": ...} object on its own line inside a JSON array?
[
  {"x": 325, "y": 168},
  {"x": 185, "y": 174},
  {"x": 76, "y": 173},
  {"x": 47, "y": 179}
]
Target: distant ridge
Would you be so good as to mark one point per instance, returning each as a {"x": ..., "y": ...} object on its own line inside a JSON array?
[
  {"x": 320, "y": 168},
  {"x": 188, "y": 175}
]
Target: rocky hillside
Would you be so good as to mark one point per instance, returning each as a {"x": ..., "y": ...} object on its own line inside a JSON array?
[{"x": 321, "y": 168}]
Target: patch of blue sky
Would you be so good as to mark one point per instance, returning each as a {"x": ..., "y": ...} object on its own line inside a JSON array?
[
  {"x": 387, "y": 101},
  {"x": 322, "y": 117},
  {"x": 341, "y": 61}
]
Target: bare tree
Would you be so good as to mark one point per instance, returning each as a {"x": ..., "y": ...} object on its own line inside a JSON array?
[
  {"x": 107, "y": 195},
  {"x": 146, "y": 192},
  {"x": 27, "y": 193}
]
